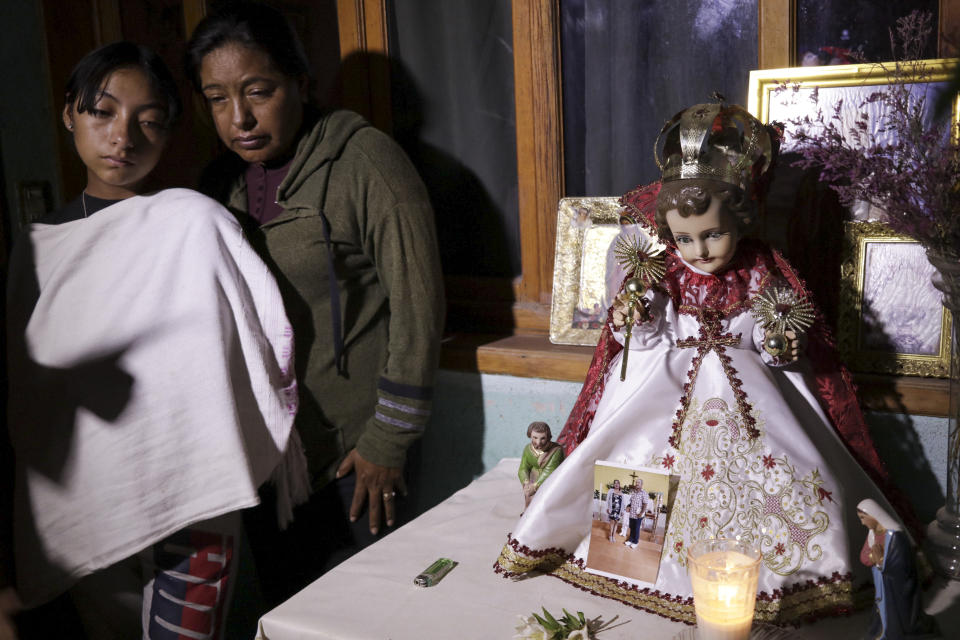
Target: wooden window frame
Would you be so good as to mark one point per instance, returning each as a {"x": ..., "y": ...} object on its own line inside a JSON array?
[
  {"x": 777, "y": 32},
  {"x": 539, "y": 126},
  {"x": 519, "y": 309}
]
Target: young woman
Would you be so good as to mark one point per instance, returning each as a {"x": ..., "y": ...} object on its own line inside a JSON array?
[
  {"x": 614, "y": 502},
  {"x": 339, "y": 213},
  {"x": 120, "y": 106},
  {"x": 759, "y": 447},
  {"x": 151, "y": 391}
]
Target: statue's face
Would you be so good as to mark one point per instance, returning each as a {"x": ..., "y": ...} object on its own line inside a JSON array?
[
  {"x": 539, "y": 439},
  {"x": 707, "y": 241}
]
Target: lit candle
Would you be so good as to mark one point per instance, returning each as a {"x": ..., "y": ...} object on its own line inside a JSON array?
[{"x": 724, "y": 575}]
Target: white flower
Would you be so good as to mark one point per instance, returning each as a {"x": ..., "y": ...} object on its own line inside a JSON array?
[
  {"x": 580, "y": 634},
  {"x": 530, "y": 629}
]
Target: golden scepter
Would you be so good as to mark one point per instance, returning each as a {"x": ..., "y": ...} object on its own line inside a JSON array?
[
  {"x": 778, "y": 310},
  {"x": 637, "y": 254}
]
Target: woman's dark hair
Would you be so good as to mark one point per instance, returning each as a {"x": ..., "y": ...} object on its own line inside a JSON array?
[
  {"x": 253, "y": 25},
  {"x": 692, "y": 198},
  {"x": 89, "y": 75}
]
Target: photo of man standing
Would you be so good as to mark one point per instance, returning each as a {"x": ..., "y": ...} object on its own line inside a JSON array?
[{"x": 636, "y": 508}]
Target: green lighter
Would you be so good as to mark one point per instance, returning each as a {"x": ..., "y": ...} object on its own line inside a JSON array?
[{"x": 433, "y": 574}]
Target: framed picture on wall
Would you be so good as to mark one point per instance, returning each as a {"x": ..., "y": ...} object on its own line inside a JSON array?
[
  {"x": 793, "y": 93},
  {"x": 892, "y": 319},
  {"x": 35, "y": 200},
  {"x": 583, "y": 269},
  {"x": 586, "y": 227},
  {"x": 805, "y": 97},
  {"x": 803, "y": 217}
]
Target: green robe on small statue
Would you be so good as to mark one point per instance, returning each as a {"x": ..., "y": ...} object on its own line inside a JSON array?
[{"x": 538, "y": 460}]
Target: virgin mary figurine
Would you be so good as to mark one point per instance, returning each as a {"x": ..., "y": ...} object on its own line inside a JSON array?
[{"x": 889, "y": 553}]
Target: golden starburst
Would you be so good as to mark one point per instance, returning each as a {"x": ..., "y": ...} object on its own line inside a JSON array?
[
  {"x": 638, "y": 255},
  {"x": 779, "y": 309}
]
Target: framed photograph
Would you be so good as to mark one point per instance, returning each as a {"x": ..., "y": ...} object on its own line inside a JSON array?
[
  {"x": 631, "y": 509},
  {"x": 34, "y": 199},
  {"x": 892, "y": 319},
  {"x": 583, "y": 268}
]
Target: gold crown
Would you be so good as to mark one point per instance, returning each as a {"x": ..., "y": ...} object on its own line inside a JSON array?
[{"x": 716, "y": 141}]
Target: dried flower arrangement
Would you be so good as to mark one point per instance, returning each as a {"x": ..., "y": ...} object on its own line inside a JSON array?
[{"x": 916, "y": 179}]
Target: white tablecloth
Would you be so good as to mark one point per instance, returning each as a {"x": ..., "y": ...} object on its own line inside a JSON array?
[{"x": 372, "y": 595}]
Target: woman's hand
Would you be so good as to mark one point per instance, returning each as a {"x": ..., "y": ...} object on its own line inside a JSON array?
[
  {"x": 621, "y": 308},
  {"x": 377, "y": 485},
  {"x": 793, "y": 350}
]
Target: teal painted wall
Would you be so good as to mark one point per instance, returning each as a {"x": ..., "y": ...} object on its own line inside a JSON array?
[{"x": 479, "y": 419}]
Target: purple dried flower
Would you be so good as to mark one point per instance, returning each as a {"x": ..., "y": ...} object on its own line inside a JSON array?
[{"x": 915, "y": 179}]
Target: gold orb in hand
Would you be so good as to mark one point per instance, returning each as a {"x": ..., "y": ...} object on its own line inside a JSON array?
[
  {"x": 775, "y": 344},
  {"x": 634, "y": 286}
]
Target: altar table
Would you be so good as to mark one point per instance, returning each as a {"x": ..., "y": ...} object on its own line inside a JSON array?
[{"x": 372, "y": 596}]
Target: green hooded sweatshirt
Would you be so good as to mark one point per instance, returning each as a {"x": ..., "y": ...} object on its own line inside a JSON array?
[{"x": 383, "y": 247}]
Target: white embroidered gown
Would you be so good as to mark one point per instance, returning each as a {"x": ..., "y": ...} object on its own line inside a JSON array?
[{"x": 792, "y": 489}]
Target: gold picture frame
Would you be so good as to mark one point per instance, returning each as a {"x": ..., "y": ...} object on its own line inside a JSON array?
[
  {"x": 585, "y": 229},
  {"x": 582, "y": 269},
  {"x": 768, "y": 89},
  {"x": 803, "y": 97},
  {"x": 891, "y": 317},
  {"x": 808, "y": 228}
]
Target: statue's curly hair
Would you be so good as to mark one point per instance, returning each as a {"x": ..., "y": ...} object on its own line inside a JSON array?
[
  {"x": 540, "y": 427},
  {"x": 692, "y": 198}
]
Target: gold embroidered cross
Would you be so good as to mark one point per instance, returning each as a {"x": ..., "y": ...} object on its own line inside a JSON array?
[{"x": 711, "y": 337}]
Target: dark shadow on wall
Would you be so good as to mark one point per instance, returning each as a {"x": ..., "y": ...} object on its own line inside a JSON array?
[
  {"x": 473, "y": 242},
  {"x": 898, "y": 443},
  {"x": 804, "y": 219},
  {"x": 471, "y": 230},
  {"x": 470, "y": 226},
  {"x": 449, "y": 456},
  {"x": 896, "y": 437},
  {"x": 478, "y": 252}
]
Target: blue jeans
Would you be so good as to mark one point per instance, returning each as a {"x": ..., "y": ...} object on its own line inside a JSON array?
[{"x": 635, "y": 530}]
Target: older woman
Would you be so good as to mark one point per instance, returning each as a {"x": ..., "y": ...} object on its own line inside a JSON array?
[{"x": 337, "y": 210}]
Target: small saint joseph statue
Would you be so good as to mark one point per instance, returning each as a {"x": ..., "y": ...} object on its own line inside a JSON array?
[{"x": 539, "y": 459}]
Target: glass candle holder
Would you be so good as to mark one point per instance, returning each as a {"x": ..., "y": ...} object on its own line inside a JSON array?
[{"x": 724, "y": 575}]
